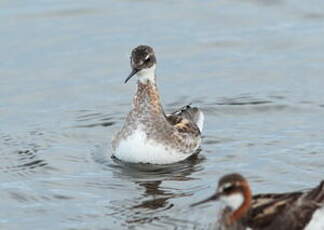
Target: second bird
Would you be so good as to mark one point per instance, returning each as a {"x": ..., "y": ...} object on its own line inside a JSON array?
[{"x": 148, "y": 134}]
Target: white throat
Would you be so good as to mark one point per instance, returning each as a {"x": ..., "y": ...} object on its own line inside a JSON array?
[
  {"x": 146, "y": 75},
  {"x": 233, "y": 201}
]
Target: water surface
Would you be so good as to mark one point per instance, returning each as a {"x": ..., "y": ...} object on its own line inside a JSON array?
[{"x": 254, "y": 67}]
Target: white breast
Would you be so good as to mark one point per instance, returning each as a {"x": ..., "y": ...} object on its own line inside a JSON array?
[
  {"x": 137, "y": 148},
  {"x": 317, "y": 221}
]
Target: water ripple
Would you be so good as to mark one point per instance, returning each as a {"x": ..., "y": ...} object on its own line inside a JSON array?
[{"x": 22, "y": 161}]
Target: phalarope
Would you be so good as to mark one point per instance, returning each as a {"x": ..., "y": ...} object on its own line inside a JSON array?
[
  {"x": 277, "y": 211},
  {"x": 148, "y": 134}
]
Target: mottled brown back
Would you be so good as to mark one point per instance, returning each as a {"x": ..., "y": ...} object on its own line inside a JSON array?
[{"x": 277, "y": 211}]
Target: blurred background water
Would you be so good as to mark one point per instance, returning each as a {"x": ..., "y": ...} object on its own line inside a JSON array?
[{"x": 255, "y": 67}]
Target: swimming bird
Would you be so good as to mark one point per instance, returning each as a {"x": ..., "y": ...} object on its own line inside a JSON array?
[
  {"x": 273, "y": 211},
  {"x": 148, "y": 134}
]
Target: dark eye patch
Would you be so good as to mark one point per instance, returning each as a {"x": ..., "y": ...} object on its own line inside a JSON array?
[
  {"x": 228, "y": 189},
  {"x": 148, "y": 60}
]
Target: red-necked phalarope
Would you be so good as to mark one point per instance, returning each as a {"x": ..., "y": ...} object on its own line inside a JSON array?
[
  {"x": 278, "y": 211},
  {"x": 148, "y": 134}
]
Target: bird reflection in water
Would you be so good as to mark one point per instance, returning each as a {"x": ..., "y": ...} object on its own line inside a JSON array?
[{"x": 155, "y": 200}]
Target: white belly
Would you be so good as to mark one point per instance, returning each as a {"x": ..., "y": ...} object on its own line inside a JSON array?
[
  {"x": 137, "y": 148},
  {"x": 317, "y": 221}
]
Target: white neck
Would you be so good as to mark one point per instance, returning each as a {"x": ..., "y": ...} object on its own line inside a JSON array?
[
  {"x": 146, "y": 75},
  {"x": 233, "y": 201}
]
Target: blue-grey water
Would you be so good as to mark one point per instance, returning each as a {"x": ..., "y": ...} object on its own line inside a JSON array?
[{"x": 255, "y": 67}]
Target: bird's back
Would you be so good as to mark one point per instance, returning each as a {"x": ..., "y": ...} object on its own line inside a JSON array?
[
  {"x": 292, "y": 211},
  {"x": 187, "y": 119}
]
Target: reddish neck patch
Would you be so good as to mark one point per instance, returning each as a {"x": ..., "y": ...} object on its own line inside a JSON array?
[{"x": 243, "y": 209}]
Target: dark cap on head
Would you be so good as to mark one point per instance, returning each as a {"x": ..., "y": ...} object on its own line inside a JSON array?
[{"x": 231, "y": 178}]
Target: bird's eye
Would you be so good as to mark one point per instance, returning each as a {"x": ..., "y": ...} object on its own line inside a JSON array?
[
  {"x": 147, "y": 58},
  {"x": 227, "y": 188}
]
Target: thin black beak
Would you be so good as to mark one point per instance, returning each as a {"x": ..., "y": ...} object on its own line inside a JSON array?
[
  {"x": 134, "y": 71},
  {"x": 211, "y": 198}
]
